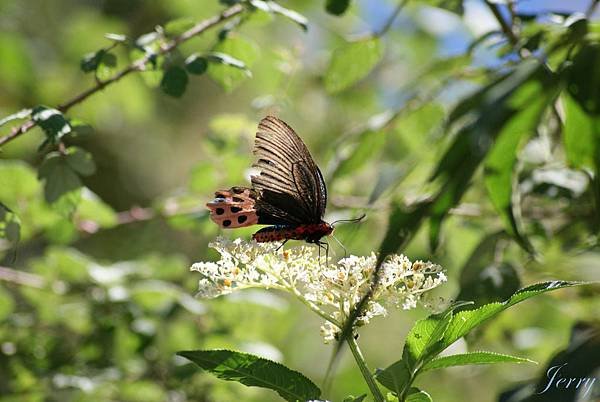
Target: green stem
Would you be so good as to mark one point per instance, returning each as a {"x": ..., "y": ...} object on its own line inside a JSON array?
[{"x": 362, "y": 365}]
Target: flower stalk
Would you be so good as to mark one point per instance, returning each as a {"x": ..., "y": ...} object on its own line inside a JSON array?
[{"x": 364, "y": 369}]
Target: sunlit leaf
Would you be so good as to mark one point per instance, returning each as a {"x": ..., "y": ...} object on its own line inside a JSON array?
[
  {"x": 417, "y": 395},
  {"x": 463, "y": 322},
  {"x": 107, "y": 66},
  {"x": 196, "y": 64},
  {"x": 352, "y": 62},
  {"x": 52, "y": 121},
  {"x": 493, "y": 109},
  {"x": 21, "y": 114},
  {"x": 466, "y": 359},
  {"x": 227, "y": 71},
  {"x": 255, "y": 371},
  {"x": 581, "y": 134}
]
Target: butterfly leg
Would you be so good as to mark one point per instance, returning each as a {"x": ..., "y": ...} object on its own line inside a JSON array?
[{"x": 282, "y": 244}]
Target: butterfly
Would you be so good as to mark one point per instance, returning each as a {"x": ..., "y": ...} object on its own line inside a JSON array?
[{"x": 289, "y": 193}]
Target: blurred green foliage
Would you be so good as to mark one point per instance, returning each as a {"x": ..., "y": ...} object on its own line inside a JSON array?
[{"x": 464, "y": 146}]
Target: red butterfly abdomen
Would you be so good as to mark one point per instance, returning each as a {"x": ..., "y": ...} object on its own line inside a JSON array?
[{"x": 309, "y": 232}]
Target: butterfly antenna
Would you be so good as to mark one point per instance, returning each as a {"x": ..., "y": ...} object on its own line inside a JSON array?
[{"x": 360, "y": 218}]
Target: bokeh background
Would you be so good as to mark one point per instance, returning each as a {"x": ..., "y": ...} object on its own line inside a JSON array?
[{"x": 96, "y": 299}]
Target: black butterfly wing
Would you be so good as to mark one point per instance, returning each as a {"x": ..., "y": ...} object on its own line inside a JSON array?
[{"x": 291, "y": 186}]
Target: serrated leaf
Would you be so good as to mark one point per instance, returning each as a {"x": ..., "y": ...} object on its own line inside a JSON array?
[
  {"x": 423, "y": 335},
  {"x": 59, "y": 177},
  {"x": 52, "y": 121},
  {"x": 21, "y": 114},
  {"x": 174, "y": 81},
  {"x": 337, "y": 7},
  {"x": 196, "y": 64},
  {"x": 395, "y": 377},
  {"x": 107, "y": 66},
  {"x": 255, "y": 371},
  {"x": 352, "y": 62},
  {"x": 463, "y": 322},
  {"x": 465, "y": 359},
  {"x": 80, "y": 161},
  {"x": 233, "y": 56}
]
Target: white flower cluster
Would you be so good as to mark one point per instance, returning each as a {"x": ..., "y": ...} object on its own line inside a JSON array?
[{"x": 330, "y": 290}]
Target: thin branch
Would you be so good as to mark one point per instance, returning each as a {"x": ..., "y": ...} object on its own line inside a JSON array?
[
  {"x": 390, "y": 21},
  {"x": 592, "y": 8},
  {"x": 21, "y": 278},
  {"x": 135, "y": 66},
  {"x": 505, "y": 26}
]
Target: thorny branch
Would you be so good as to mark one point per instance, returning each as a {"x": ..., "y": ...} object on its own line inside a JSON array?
[{"x": 135, "y": 66}]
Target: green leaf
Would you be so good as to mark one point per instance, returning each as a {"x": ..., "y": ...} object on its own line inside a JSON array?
[
  {"x": 492, "y": 109},
  {"x": 417, "y": 395},
  {"x": 500, "y": 163},
  {"x": 196, "y": 64},
  {"x": 59, "y": 176},
  {"x": 7, "y": 304},
  {"x": 465, "y": 359},
  {"x": 366, "y": 148},
  {"x": 255, "y": 371},
  {"x": 119, "y": 38},
  {"x": 227, "y": 60},
  {"x": 290, "y": 14},
  {"x": 80, "y": 161},
  {"x": 21, "y": 114},
  {"x": 53, "y": 122},
  {"x": 107, "y": 66},
  {"x": 174, "y": 81},
  {"x": 395, "y": 377},
  {"x": 455, "y": 6},
  {"x": 423, "y": 335},
  {"x": 581, "y": 134},
  {"x": 337, "y": 7},
  {"x": 91, "y": 61},
  {"x": 355, "y": 399},
  {"x": 463, "y": 322},
  {"x": 583, "y": 86},
  {"x": 10, "y": 225},
  {"x": 351, "y": 63},
  {"x": 389, "y": 176},
  {"x": 179, "y": 26},
  {"x": 403, "y": 224},
  {"x": 232, "y": 70},
  {"x": 482, "y": 281}
]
